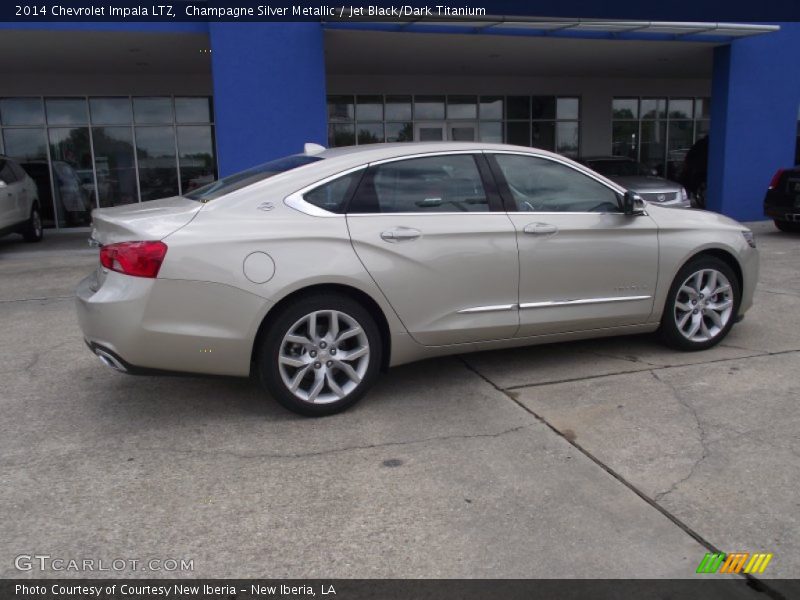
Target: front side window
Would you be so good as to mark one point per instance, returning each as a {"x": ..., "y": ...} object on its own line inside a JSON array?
[
  {"x": 431, "y": 184},
  {"x": 542, "y": 185}
]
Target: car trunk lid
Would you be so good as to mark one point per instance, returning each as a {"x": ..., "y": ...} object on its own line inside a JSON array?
[{"x": 148, "y": 221}]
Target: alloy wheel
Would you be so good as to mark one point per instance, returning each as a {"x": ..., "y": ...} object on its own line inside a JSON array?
[
  {"x": 323, "y": 357},
  {"x": 703, "y": 305}
]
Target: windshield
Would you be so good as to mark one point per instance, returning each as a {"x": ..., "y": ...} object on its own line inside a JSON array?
[
  {"x": 618, "y": 168},
  {"x": 237, "y": 181}
]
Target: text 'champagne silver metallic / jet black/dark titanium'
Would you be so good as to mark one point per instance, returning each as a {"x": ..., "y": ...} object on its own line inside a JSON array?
[{"x": 317, "y": 271}]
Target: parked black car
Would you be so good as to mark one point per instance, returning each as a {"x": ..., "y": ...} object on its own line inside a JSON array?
[{"x": 782, "y": 202}]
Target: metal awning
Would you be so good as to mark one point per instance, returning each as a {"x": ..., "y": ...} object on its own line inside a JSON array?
[{"x": 590, "y": 28}]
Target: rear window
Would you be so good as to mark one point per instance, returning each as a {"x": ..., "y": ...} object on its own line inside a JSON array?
[{"x": 237, "y": 181}]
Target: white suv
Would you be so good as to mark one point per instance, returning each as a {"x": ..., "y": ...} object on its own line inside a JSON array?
[{"x": 19, "y": 202}]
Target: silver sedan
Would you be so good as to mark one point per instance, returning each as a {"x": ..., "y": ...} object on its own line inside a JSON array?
[{"x": 317, "y": 271}]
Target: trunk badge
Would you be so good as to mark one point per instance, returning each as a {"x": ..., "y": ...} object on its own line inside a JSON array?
[{"x": 266, "y": 206}]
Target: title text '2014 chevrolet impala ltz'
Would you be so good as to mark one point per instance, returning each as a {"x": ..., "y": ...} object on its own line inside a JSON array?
[{"x": 319, "y": 270}]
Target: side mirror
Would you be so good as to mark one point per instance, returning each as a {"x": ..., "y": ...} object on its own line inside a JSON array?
[{"x": 632, "y": 204}]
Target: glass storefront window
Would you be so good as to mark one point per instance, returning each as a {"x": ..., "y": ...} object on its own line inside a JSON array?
[
  {"x": 667, "y": 129},
  {"x": 398, "y": 108},
  {"x": 341, "y": 134},
  {"x": 399, "y": 132},
  {"x": 115, "y": 166},
  {"x": 341, "y": 108},
  {"x": 21, "y": 111},
  {"x": 72, "y": 175},
  {"x": 158, "y": 167},
  {"x": 152, "y": 110},
  {"x": 81, "y": 151},
  {"x": 625, "y": 108},
  {"x": 462, "y": 107},
  {"x": 110, "y": 111},
  {"x": 66, "y": 111},
  {"x": 654, "y": 108},
  {"x": 427, "y": 108},
  {"x": 192, "y": 110},
  {"x": 491, "y": 132},
  {"x": 680, "y": 108},
  {"x": 568, "y": 108},
  {"x": 652, "y": 150},
  {"x": 625, "y": 136},
  {"x": 543, "y": 107},
  {"x": 518, "y": 107},
  {"x": 370, "y": 133},
  {"x": 521, "y": 120},
  {"x": 544, "y": 135},
  {"x": 491, "y": 107},
  {"x": 369, "y": 108},
  {"x": 518, "y": 133},
  {"x": 195, "y": 156}
]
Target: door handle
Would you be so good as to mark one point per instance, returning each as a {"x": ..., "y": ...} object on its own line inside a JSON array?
[
  {"x": 401, "y": 234},
  {"x": 540, "y": 228}
]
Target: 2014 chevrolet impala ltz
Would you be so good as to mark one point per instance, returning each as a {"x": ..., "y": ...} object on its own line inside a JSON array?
[{"x": 319, "y": 270}]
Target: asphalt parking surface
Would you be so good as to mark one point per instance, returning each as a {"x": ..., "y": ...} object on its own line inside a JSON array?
[{"x": 606, "y": 458}]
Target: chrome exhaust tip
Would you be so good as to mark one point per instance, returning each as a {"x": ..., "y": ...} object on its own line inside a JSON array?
[{"x": 109, "y": 360}]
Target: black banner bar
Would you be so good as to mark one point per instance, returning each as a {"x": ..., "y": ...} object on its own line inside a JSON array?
[{"x": 701, "y": 588}]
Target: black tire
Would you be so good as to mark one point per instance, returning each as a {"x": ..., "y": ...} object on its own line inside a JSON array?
[
  {"x": 269, "y": 350},
  {"x": 33, "y": 231},
  {"x": 669, "y": 330},
  {"x": 788, "y": 226}
]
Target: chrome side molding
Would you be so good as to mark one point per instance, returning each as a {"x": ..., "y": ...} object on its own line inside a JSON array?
[{"x": 550, "y": 303}]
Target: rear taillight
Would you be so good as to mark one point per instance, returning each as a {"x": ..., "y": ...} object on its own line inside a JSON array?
[
  {"x": 776, "y": 179},
  {"x": 140, "y": 259}
]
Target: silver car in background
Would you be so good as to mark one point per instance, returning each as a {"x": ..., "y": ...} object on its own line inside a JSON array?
[
  {"x": 317, "y": 271},
  {"x": 639, "y": 178}
]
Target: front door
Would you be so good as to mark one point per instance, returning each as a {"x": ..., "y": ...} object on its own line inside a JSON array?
[
  {"x": 583, "y": 263},
  {"x": 431, "y": 236}
]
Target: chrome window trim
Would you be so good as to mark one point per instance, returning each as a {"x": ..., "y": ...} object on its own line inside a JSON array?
[
  {"x": 551, "y": 303},
  {"x": 298, "y": 202}
]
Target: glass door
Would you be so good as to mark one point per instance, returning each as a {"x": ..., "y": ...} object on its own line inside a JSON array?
[{"x": 439, "y": 131}]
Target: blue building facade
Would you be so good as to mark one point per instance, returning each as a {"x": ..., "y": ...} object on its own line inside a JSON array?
[{"x": 210, "y": 99}]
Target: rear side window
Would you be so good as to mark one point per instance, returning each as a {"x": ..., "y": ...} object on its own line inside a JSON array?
[
  {"x": 542, "y": 185},
  {"x": 237, "y": 181},
  {"x": 7, "y": 174},
  {"x": 450, "y": 183},
  {"x": 333, "y": 196}
]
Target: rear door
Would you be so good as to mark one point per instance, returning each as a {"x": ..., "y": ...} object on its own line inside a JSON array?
[
  {"x": 431, "y": 232},
  {"x": 584, "y": 264}
]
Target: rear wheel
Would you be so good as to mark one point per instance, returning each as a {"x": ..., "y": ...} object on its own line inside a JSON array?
[
  {"x": 701, "y": 305},
  {"x": 33, "y": 231},
  {"x": 788, "y": 226},
  {"x": 320, "y": 355}
]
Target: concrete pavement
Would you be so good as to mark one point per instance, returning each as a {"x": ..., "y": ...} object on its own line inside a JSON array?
[{"x": 606, "y": 458}]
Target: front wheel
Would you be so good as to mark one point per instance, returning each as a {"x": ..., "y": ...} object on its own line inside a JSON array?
[
  {"x": 33, "y": 231},
  {"x": 320, "y": 355},
  {"x": 702, "y": 304}
]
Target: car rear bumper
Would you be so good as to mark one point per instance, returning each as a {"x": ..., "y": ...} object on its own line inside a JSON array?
[
  {"x": 782, "y": 213},
  {"x": 139, "y": 325}
]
